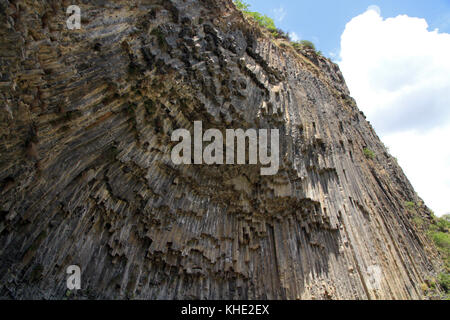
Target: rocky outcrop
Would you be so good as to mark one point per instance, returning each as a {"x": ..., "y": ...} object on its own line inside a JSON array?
[{"x": 87, "y": 179}]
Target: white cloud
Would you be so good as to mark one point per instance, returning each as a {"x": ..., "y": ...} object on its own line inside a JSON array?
[
  {"x": 294, "y": 36},
  {"x": 374, "y": 8},
  {"x": 399, "y": 73},
  {"x": 279, "y": 14},
  {"x": 425, "y": 157}
]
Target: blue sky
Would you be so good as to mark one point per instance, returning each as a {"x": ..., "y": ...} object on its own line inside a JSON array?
[{"x": 323, "y": 21}]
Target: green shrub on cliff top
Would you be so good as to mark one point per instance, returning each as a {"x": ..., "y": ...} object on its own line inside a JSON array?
[
  {"x": 304, "y": 44},
  {"x": 268, "y": 23},
  {"x": 263, "y": 20},
  {"x": 241, "y": 5}
]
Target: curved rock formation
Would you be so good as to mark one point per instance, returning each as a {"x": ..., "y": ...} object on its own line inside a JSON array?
[{"x": 87, "y": 179}]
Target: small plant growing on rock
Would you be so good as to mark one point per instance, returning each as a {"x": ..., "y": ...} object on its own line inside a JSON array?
[
  {"x": 410, "y": 206},
  {"x": 439, "y": 232},
  {"x": 241, "y": 5},
  {"x": 444, "y": 281},
  {"x": 304, "y": 44},
  {"x": 369, "y": 154}
]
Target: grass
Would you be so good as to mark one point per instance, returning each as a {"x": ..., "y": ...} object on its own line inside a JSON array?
[
  {"x": 444, "y": 281},
  {"x": 262, "y": 19},
  {"x": 439, "y": 232},
  {"x": 303, "y": 44},
  {"x": 418, "y": 221},
  {"x": 410, "y": 206},
  {"x": 369, "y": 154},
  {"x": 269, "y": 24}
]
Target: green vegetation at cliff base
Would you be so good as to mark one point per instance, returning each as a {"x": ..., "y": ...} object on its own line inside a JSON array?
[{"x": 438, "y": 230}]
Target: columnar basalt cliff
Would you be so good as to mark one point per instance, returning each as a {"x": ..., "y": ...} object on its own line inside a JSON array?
[{"x": 87, "y": 179}]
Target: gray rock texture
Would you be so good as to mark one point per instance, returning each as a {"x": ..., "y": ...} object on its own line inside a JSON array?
[{"x": 86, "y": 176}]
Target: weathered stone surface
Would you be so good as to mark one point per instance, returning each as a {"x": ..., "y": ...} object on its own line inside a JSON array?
[{"x": 87, "y": 179}]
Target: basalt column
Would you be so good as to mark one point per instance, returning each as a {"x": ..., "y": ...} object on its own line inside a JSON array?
[{"x": 87, "y": 179}]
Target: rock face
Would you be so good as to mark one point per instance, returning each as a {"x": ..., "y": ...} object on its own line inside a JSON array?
[{"x": 87, "y": 179}]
